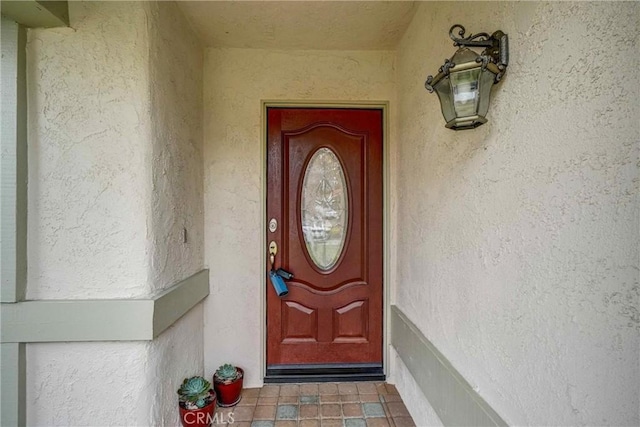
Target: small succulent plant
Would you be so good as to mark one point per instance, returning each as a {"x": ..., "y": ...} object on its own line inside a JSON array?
[
  {"x": 195, "y": 393},
  {"x": 226, "y": 373}
]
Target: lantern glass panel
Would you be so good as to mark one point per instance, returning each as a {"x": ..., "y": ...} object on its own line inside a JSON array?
[
  {"x": 465, "y": 88},
  {"x": 443, "y": 89},
  {"x": 486, "y": 82}
]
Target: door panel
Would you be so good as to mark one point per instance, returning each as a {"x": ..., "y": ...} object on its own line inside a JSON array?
[{"x": 333, "y": 312}]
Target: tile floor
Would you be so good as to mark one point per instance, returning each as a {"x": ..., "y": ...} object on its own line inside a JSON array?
[{"x": 361, "y": 404}]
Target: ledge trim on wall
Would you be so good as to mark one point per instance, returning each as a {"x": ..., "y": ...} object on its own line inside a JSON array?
[
  {"x": 450, "y": 395},
  {"x": 36, "y": 14},
  {"x": 176, "y": 301},
  {"x": 101, "y": 320}
]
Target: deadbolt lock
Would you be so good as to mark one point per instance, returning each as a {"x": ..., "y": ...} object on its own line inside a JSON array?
[{"x": 273, "y": 250}]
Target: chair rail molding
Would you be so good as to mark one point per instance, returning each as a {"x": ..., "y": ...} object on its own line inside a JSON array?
[
  {"x": 450, "y": 395},
  {"x": 101, "y": 320}
]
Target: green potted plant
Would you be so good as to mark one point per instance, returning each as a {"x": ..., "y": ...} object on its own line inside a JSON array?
[
  {"x": 197, "y": 402},
  {"x": 227, "y": 381}
]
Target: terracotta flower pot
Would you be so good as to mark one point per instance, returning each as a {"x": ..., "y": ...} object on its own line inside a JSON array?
[
  {"x": 228, "y": 394},
  {"x": 202, "y": 417}
]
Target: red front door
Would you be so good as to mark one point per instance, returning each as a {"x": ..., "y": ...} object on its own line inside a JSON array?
[{"x": 324, "y": 207}]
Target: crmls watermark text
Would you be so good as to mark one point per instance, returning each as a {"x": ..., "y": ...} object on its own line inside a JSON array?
[{"x": 200, "y": 418}]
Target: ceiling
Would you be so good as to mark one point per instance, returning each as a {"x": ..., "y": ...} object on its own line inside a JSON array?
[{"x": 318, "y": 25}]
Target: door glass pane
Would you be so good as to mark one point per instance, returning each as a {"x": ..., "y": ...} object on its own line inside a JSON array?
[{"x": 324, "y": 208}]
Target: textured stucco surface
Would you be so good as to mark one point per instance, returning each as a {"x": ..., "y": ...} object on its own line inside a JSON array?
[
  {"x": 115, "y": 176},
  {"x": 85, "y": 383},
  {"x": 89, "y": 149},
  {"x": 176, "y": 85},
  {"x": 518, "y": 241},
  {"x": 173, "y": 356},
  {"x": 301, "y": 25},
  {"x": 236, "y": 80},
  {"x": 175, "y": 76},
  {"x": 115, "y": 152},
  {"x": 113, "y": 383}
]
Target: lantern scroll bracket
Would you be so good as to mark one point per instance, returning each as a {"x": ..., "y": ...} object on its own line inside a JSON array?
[{"x": 496, "y": 51}]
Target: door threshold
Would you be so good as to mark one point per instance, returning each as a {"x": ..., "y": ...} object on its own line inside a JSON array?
[{"x": 324, "y": 373}]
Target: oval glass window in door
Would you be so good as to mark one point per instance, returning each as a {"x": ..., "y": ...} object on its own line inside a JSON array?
[{"x": 324, "y": 206}]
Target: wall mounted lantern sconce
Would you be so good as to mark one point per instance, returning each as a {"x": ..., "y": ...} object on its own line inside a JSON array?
[{"x": 464, "y": 82}]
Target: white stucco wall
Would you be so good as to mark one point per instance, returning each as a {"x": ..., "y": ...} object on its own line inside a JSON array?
[
  {"x": 115, "y": 175},
  {"x": 518, "y": 241},
  {"x": 175, "y": 89},
  {"x": 172, "y": 357},
  {"x": 78, "y": 384},
  {"x": 236, "y": 80},
  {"x": 115, "y": 152},
  {"x": 113, "y": 383},
  {"x": 89, "y": 151},
  {"x": 175, "y": 76}
]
